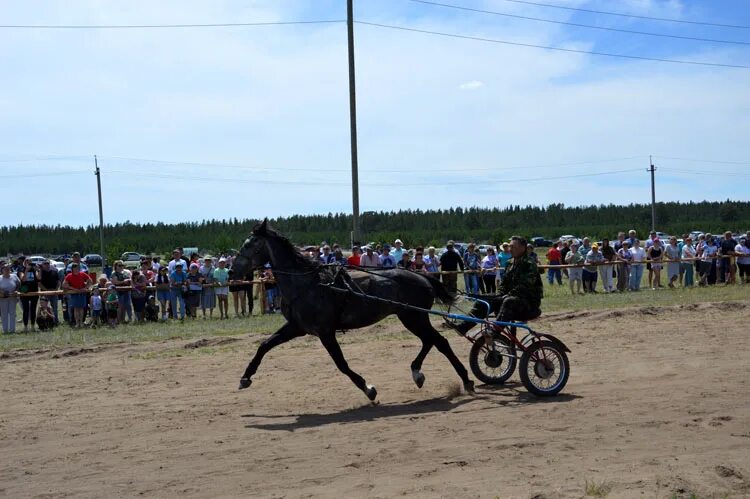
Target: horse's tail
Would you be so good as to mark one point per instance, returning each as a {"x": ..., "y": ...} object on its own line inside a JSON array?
[{"x": 441, "y": 293}]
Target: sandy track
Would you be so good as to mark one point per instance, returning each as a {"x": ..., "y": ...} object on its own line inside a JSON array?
[{"x": 658, "y": 403}]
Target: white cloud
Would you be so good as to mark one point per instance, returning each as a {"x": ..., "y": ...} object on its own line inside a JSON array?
[{"x": 471, "y": 85}]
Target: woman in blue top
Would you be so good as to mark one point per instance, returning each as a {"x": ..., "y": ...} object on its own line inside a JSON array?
[
  {"x": 471, "y": 266},
  {"x": 177, "y": 286},
  {"x": 503, "y": 257}
]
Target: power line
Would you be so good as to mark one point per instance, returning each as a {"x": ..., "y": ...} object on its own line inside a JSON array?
[
  {"x": 149, "y": 26},
  {"x": 589, "y": 26},
  {"x": 385, "y": 170},
  {"x": 370, "y": 184},
  {"x": 45, "y": 174},
  {"x": 710, "y": 173},
  {"x": 561, "y": 49},
  {"x": 706, "y": 160},
  {"x": 634, "y": 16}
]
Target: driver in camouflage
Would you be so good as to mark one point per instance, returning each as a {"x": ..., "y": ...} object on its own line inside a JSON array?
[{"x": 520, "y": 290}]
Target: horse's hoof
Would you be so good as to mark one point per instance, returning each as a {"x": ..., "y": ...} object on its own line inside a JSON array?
[
  {"x": 469, "y": 386},
  {"x": 245, "y": 383},
  {"x": 371, "y": 393},
  {"x": 418, "y": 378}
]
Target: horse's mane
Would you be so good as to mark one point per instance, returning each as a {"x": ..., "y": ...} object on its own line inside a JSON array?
[{"x": 297, "y": 256}]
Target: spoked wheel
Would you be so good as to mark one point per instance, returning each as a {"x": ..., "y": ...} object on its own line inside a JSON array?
[
  {"x": 544, "y": 368},
  {"x": 494, "y": 363}
]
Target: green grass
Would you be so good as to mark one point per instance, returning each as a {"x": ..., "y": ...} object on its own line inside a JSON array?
[
  {"x": 556, "y": 298},
  {"x": 594, "y": 489}
]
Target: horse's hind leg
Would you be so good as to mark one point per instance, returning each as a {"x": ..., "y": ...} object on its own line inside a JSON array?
[
  {"x": 328, "y": 339},
  {"x": 419, "y": 324},
  {"x": 286, "y": 333}
]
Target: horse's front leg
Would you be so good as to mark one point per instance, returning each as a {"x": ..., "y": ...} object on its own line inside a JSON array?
[
  {"x": 287, "y": 332},
  {"x": 328, "y": 339}
]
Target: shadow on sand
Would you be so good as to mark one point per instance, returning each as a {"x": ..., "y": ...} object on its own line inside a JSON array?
[{"x": 506, "y": 395}]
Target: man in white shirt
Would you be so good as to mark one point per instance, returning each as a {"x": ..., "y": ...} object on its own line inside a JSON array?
[{"x": 369, "y": 259}]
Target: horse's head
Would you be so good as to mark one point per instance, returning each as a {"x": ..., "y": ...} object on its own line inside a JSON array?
[{"x": 253, "y": 253}]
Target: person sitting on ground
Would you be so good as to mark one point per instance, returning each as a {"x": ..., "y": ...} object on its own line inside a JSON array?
[
  {"x": 45, "y": 318},
  {"x": 521, "y": 290}
]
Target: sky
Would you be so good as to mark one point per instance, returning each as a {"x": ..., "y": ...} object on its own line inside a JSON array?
[{"x": 210, "y": 123}]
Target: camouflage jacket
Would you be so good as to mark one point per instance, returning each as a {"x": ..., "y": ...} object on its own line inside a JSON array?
[{"x": 522, "y": 280}]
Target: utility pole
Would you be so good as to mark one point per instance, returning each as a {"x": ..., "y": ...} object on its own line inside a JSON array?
[
  {"x": 101, "y": 212},
  {"x": 353, "y": 122},
  {"x": 653, "y": 194}
]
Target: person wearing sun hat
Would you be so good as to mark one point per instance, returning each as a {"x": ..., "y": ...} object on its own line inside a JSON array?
[
  {"x": 398, "y": 251},
  {"x": 593, "y": 258}
]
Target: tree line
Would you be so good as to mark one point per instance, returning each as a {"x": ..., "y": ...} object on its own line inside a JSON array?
[{"x": 425, "y": 227}]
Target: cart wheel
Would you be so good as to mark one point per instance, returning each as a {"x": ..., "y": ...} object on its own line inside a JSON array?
[
  {"x": 493, "y": 364},
  {"x": 544, "y": 368}
]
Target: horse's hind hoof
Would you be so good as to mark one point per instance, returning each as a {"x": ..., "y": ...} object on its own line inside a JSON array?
[
  {"x": 418, "y": 378},
  {"x": 469, "y": 386},
  {"x": 371, "y": 393},
  {"x": 245, "y": 383}
]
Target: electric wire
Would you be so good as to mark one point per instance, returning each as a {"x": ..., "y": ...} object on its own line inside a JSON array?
[
  {"x": 547, "y": 47},
  {"x": 150, "y": 26},
  {"x": 705, "y": 160},
  {"x": 579, "y": 25},
  {"x": 634, "y": 16}
]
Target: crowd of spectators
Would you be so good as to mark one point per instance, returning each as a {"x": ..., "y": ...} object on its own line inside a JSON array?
[{"x": 184, "y": 285}]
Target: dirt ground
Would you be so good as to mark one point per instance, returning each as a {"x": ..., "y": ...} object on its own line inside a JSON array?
[{"x": 658, "y": 405}]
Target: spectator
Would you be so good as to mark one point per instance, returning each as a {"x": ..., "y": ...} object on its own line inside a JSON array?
[
  {"x": 29, "y": 284},
  {"x": 147, "y": 271},
  {"x": 338, "y": 257},
  {"x": 726, "y": 250},
  {"x": 77, "y": 283},
  {"x": 554, "y": 258},
  {"x": 326, "y": 257},
  {"x": 123, "y": 280},
  {"x": 221, "y": 276},
  {"x": 194, "y": 290},
  {"x": 113, "y": 305},
  {"x": 672, "y": 254},
  {"x": 680, "y": 244},
  {"x": 76, "y": 259},
  {"x": 688, "y": 253},
  {"x": 743, "y": 259},
  {"x": 636, "y": 270},
  {"x": 489, "y": 271},
  {"x": 238, "y": 291},
  {"x": 45, "y": 320},
  {"x": 532, "y": 254},
  {"x": 585, "y": 247},
  {"x": 632, "y": 236},
  {"x": 49, "y": 280},
  {"x": 208, "y": 299},
  {"x": 405, "y": 261},
  {"x": 606, "y": 270},
  {"x": 10, "y": 284},
  {"x": 450, "y": 262},
  {"x": 96, "y": 306},
  {"x": 419, "y": 265},
  {"x": 575, "y": 274},
  {"x": 708, "y": 265},
  {"x": 618, "y": 244},
  {"x": 656, "y": 256},
  {"x": 271, "y": 291},
  {"x": 503, "y": 257},
  {"x": 472, "y": 265},
  {"x": 177, "y": 286},
  {"x": 176, "y": 258},
  {"x": 593, "y": 258},
  {"x": 649, "y": 264},
  {"x": 398, "y": 250},
  {"x": 369, "y": 259},
  {"x": 162, "y": 290},
  {"x": 624, "y": 257},
  {"x": 564, "y": 249},
  {"x": 431, "y": 261},
  {"x": 386, "y": 259},
  {"x": 353, "y": 261},
  {"x": 138, "y": 295}
]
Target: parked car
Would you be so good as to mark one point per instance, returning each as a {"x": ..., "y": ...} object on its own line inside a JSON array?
[
  {"x": 36, "y": 259},
  {"x": 540, "y": 241},
  {"x": 663, "y": 236},
  {"x": 130, "y": 256},
  {"x": 93, "y": 260},
  {"x": 58, "y": 265}
]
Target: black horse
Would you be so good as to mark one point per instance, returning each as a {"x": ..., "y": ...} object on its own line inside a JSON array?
[{"x": 322, "y": 299}]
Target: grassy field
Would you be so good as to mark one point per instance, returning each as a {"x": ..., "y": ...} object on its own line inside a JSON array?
[{"x": 556, "y": 298}]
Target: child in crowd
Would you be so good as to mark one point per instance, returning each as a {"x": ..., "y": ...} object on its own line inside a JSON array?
[
  {"x": 96, "y": 307},
  {"x": 267, "y": 278},
  {"x": 113, "y": 305},
  {"x": 152, "y": 309},
  {"x": 45, "y": 319}
]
